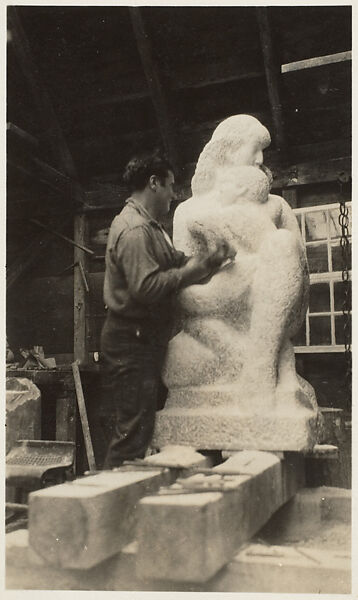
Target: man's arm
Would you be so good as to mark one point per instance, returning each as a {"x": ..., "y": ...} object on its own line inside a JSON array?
[{"x": 147, "y": 283}]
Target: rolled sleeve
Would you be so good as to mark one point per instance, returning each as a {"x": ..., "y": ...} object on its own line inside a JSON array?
[{"x": 147, "y": 282}]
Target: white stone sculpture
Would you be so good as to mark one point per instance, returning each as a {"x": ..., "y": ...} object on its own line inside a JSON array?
[{"x": 231, "y": 370}]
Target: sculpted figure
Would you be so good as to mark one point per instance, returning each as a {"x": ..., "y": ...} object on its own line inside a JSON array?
[{"x": 236, "y": 329}]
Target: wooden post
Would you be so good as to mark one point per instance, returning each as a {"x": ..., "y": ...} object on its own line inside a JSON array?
[
  {"x": 272, "y": 72},
  {"x": 66, "y": 418},
  {"x": 80, "y": 349},
  {"x": 83, "y": 414},
  {"x": 290, "y": 195}
]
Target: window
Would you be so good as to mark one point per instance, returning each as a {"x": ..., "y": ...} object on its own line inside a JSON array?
[{"x": 323, "y": 329}]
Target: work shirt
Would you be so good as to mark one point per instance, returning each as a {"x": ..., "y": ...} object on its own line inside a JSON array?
[{"x": 142, "y": 267}]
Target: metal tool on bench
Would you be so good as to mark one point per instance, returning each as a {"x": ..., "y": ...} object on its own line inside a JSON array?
[
  {"x": 201, "y": 483},
  {"x": 139, "y": 463}
]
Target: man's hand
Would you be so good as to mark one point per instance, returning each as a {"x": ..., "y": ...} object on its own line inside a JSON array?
[
  {"x": 222, "y": 253},
  {"x": 201, "y": 267}
]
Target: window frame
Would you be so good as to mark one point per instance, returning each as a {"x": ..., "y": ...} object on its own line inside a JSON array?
[{"x": 330, "y": 277}]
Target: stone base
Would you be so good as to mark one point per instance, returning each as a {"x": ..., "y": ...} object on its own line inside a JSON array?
[{"x": 207, "y": 418}]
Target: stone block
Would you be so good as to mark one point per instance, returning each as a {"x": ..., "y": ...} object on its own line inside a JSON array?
[
  {"x": 26, "y": 570},
  {"x": 79, "y": 524},
  {"x": 286, "y": 570},
  {"x": 193, "y": 535},
  {"x": 307, "y": 513},
  {"x": 187, "y": 420}
]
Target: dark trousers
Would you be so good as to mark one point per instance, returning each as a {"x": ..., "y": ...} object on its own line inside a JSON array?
[{"x": 132, "y": 358}]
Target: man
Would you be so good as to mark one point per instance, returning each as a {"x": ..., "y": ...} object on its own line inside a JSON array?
[{"x": 143, "y": 274}]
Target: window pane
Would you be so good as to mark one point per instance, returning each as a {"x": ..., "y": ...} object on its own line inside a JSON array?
[
  {"x": 339, "y": 294},
  {"x": 340, "y": 334},
  {"x": 335, "y": 227},
  {"x": 316, "y": 226},
  {"x": 317, "y": 258},
  {"x": 319, "y": 298},
  {"x": 337, "y": 259},
  {"x": 320, "y": 331},
  {"x": 300, "y": 337}
]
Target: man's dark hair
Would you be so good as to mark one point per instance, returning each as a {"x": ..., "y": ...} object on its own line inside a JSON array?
[{"x": 140, "y": 168}]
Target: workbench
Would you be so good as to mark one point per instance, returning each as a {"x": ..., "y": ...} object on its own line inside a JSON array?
[{"x": 60, "y": 420}]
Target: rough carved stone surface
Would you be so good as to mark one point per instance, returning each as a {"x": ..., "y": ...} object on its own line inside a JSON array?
[
  {"x": 231, "y": 369},
  {"x": 23, "y": 411},
  {"x": 193, "y": 535}
]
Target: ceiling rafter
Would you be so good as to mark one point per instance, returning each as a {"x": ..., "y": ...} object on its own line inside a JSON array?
[
  {"x": 272, "y": 72},
  {"x": 155, "y": 84},
  {"x": 50, "y": 126},
  {"x": 317, "y": 61}
]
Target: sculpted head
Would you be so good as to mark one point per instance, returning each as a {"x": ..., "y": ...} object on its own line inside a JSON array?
[
  {"x": 242, "y": 183},
  {"x": 237, "y": 141}
]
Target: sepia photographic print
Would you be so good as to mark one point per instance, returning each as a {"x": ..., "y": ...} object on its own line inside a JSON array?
[{"x": 178, "y": 299}]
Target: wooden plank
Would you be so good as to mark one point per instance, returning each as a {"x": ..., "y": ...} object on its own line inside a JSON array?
[
  {"x": 63, "y": 237},
  {"x": 311, "y": 172},
  {"x": 317, "y": 61},
  {"x": 155, "y": 84},
  {"x": 318, "y": 349},
  {"x": 272, "y": 72},
  {"x": 80, "y": 346},
  {"x": 83, "y": 416}
]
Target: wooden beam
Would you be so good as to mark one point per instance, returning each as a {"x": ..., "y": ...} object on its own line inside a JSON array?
[
  {"x": 22, "y": 135},
  {"x": 83, "y": 415},
  {"x": 311, "y": 172},
  {"x": 189, "y": 78},
  {"x": 290, "y": 195},
  {"x": 233, "y": 68},
  {"x": 318, "y": 61},
  {"x": 26, "y": 259},
  {"x": 44, "y": 173},
  {"x": 28, "y": 172},
  {"x": 272, "y": 72},
  {"x": 63, "y": 237},
  {"x": 53, "y": 133},
  {"x": 80, "y": 302},
  {"x": 155, "y": 84}
]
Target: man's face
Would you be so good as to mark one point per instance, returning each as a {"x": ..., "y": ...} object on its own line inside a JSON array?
[
  {"x": 165, "y": 194},
  {"x": 249, "y": 154}
]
